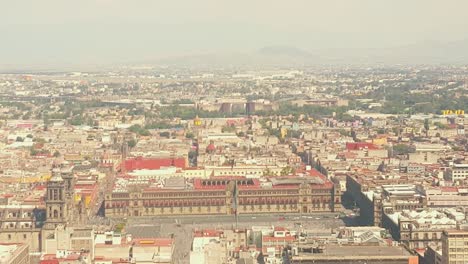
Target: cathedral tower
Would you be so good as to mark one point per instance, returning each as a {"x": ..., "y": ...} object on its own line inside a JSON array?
[{"x": 56, "y": 205}]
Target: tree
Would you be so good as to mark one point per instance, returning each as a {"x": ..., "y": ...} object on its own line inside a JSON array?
[
  {"x": 165, "y": 134},
  {"x": 192, "y": 154},
  {"x": 137, "y": 129},
  {"x": 32, "y": 151},
  {"x": 119, "y": 227},
  {"x": 19, "y": 139},
  {"x": 131, "y": 143},
  {"x": 286, "y": 171},
  {"x": 353, "y": 135},
  {"x": 56, "y": 154},
  {"x": 190, "y": 135},
  {"x": 440, "y": 125},
  {"x": 343, "y": 132},
  {"x": 39, "y": 140},
  {"x": 268, "y": 172},
  {"x": 426, "y": 124},
  {"x": 228, "y": 129},
  {"x": 402, "y": 149},
  {"x": 293, "y": 148},
  {"x": 77, "y": 120}
]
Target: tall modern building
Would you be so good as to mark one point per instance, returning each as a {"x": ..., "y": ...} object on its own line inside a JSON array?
[{"x": 455, "y": 246}]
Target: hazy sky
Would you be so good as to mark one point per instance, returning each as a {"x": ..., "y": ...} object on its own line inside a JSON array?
[{"x": 42, "y": 32}]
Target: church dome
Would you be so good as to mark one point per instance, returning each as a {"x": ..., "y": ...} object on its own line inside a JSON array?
[{"x": 197, "y": 121}]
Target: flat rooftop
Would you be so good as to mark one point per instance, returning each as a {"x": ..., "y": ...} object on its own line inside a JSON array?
[
  {"x": 338, "y": 250},
  {"x": 8, "y": 251},
  {"x": 341, "y": 252}
]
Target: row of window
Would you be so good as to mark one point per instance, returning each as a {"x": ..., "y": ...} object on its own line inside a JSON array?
[
  {"x": 424, "y": 236},
  {"x": 13, "y": 225},
  {"x": 269, "y": 192},
  {"x": 24, "y": 236},
  {"x": 464, "y": 249},
  {"x": 167, "y": 210},
  {"x": 228, "y": 173},
  {"x": 17, "y": 214},
  {"x": 183, "y": 194}
]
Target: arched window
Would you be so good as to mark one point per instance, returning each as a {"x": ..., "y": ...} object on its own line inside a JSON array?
[{"x": 55, "y": 213}]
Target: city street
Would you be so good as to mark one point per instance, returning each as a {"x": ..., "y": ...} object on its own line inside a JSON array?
[{"x": 181, "y": 228}]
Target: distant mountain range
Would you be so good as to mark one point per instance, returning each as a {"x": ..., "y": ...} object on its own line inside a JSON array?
[
  {"x": 425, "y": 53},
  {"x": 289, "y": 56},
  {"x": 271, "y": 55}
]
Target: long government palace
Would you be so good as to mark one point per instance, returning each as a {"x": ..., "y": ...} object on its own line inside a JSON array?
[{"x": 304, "y": 193}]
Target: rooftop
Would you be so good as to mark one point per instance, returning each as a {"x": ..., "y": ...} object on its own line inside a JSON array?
[
  {"x": 8, "y": 251},
  {"x": 342, "y": 252}
]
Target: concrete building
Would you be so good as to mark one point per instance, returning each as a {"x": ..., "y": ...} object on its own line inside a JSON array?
[
  {"x": 144, "y": 250},
  {"x": 354, "y": 254},
  {"x": 11, "y": 253},
  {"x": 455, "y": 246},
  {"x": 21, "y": 224},
  {"x": 78, "y": 239},
  {"x": 417, "y": 230},
  {"x": 378, "y": 195},
  {"x": 424, "y": 157},
  {"x": 447, "y": 196},
  {"x": 458, "y": 172},
  {"x": 34, "y": 224},
  {"x": 432, "y": 255}
]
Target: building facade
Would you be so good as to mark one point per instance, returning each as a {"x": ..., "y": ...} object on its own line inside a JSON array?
[
  {"x": 21, "y": 224},
  {"x": 455, "y": 246},
  {"x": 225, "y": 196}
]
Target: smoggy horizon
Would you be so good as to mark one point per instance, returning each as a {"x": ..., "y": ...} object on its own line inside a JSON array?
[{"x": 55, "y": 33}]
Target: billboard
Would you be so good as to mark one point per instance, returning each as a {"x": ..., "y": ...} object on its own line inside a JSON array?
[{"x": 453, "y": 112}]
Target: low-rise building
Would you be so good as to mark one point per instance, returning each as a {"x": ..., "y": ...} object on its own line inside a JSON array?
[
  {"x": 419, "y": 229},
  {"x": 12, "y": 253}
]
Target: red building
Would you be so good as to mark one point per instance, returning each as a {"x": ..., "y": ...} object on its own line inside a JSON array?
[
  {"x": 140, "y": 163},
  {"x": 305, "y": 193}
]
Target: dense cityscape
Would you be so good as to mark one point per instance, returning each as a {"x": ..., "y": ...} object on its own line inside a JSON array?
[
  {"x": 233, "y": 132},
  {"x": 157, "y": 164}
]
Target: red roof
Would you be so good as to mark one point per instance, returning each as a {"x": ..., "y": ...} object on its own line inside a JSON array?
[
  {"x": 72, "y": 257},
  {"x": 140, "y": 163},
  {"x": 327, "y": 184},
  {"x": 159, "y": 242},
  {"x": 449, "y": 189},
  {"x": 315, "y": 173},
  {"x": 40, "y": 187},
  {"x": 24, "y": 125},
  {"x": 207, "y": 233},
  {"x": 360, "y": 145},
  {"x": 277, "y": 239},
  {"x": 211, "y": 147},
  {"x": 49, "y": 261}
]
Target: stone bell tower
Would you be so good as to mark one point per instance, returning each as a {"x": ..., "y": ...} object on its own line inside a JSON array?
[{"x": 56, "y": 205}]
